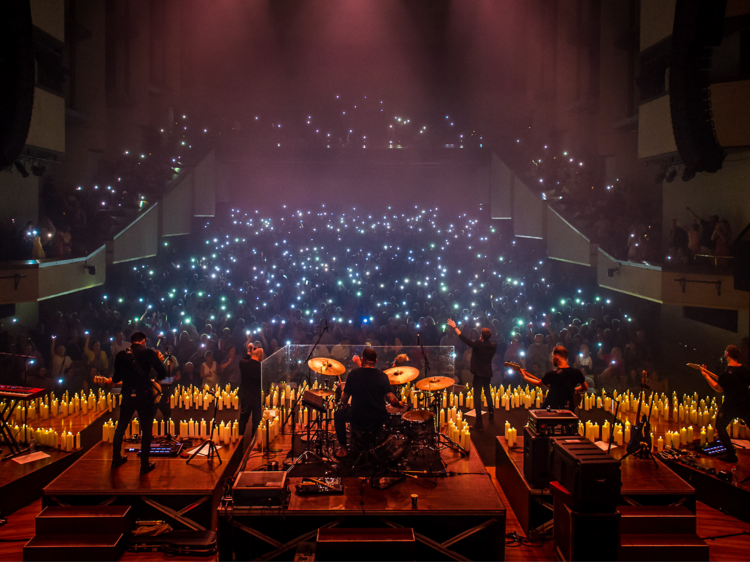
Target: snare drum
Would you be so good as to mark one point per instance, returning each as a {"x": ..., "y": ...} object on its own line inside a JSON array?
[{"x": 419, "y": 423}]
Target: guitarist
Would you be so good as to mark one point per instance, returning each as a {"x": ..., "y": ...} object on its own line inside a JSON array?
[
  {"x": 131, "y": 368},
  {"x": 733, "y": 382},
  {"x": 563, "y": 382}
]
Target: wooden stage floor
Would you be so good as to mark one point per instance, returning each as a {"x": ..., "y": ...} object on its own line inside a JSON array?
[
  {"x": 459, "y": 516},
  {"x": 181, "y": 493}
]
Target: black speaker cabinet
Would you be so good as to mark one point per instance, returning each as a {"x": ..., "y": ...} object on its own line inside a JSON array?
[
  {"x": 536, "y": 452},
  {"x": 591, "y": 476},
  {"x": 585, "y": 536}
]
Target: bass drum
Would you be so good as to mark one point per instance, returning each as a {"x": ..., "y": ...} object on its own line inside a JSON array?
[{"x": 419, "y": 424}]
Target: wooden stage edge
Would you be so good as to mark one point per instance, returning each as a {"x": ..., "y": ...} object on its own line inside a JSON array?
[
  {"x": 457, "y": 517},
  {"x": 21, "y": 484},
  {"x": 171, "y": 490}
]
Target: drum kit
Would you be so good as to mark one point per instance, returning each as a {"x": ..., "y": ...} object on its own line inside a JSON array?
[{"x": 418, "y": 428}]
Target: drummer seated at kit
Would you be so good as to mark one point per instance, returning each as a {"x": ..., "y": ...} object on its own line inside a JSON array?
[{"x": 369, "y": 390}]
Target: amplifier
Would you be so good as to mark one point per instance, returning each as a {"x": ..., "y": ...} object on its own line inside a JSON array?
[
  {"x": 591, "y": 476},
  {"x": 553, "y": 422},
  {"x": 259, "y": 489},
  {"x": 536, "y": 458}
]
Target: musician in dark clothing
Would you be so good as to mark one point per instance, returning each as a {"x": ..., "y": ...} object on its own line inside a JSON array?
[
  {"x": 369, "y": 389},
  {"x": 734, "y": 382},
  {"x": 250, "y": 390},
  {"x": 563, "y": 382},
  {"x": 132, "y": 368},
  {"x": 482, "y": 352}
]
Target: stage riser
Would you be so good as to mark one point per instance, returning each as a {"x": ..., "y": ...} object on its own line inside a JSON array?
[
  {"x": 662, "y": 520},
  {"x": 28, "y": 488},
  {"x": 686, "y": 548},
  {"x": 77, "y": 547},
  {"x": 721, "y": 495},
  {"x": 95, "y": 520},
  {"x": 487, "y": 544}
]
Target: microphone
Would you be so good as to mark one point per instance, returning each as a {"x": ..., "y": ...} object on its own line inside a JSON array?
[
  {"x": 419, "y": 339},
  {"x": 326, "y": 328}
]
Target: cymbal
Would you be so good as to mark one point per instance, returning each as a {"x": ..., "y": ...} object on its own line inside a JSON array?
[
  {"x": 325, "y": 366},
  {"x": 322, "y": 392},
  {"x": 401, "y": 375},
  {"x": 435, "y": 383}
]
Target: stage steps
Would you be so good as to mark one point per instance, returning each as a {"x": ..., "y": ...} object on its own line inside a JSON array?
[
  {"x": 660, "y": 533},
  {"x": 79, "y": 533},
  {"x": 640, "y": 520}
]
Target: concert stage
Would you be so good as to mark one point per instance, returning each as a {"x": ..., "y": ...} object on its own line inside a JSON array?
[
  {"x": 170, "y": 491},
  {"x": 457, "y": 517}
]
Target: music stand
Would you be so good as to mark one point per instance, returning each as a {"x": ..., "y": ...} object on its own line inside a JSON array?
[{"x": 212, "y": 448}]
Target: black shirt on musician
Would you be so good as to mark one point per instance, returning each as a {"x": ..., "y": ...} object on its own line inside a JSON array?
[
  {"x": 368, "y": 388},
  {"x": 735, "y": 381},
  {"x": 562, "y": 385}
]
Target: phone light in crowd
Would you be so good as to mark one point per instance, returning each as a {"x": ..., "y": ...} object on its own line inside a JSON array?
[
  {"x": 59, "y": 381},
  {"x": 522, "y": 353}
]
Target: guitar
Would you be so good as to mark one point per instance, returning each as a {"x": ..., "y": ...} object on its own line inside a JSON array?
[
  {"x": 156, "y": 390},
  {"x": 640, "y": 434},
  {"x": 700, "y": 367},
  {"x": 578, "y": 396}
]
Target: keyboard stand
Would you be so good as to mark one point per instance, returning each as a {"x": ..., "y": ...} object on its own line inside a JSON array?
[{"x": 7, "y": 433}]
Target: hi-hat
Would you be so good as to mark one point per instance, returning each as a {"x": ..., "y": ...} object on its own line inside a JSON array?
[
  {"x": 325, "y": 366},
  {"x": 435, "y": 383},
  {"x": 401, "y": 375}
]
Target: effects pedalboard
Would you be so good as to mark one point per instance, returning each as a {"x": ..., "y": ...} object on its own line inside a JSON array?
[{"x": 320, "y": 486}]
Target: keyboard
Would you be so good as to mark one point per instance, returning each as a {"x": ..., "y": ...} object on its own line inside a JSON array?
[{"x": 20, "y": 392}]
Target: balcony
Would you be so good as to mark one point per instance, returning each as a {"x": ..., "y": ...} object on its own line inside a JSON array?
[
  {"x": 669, "y": 286},
  {"x": 138, "y": 240},
  {"x": 566, "y": 243},
  {"x": 529, "y": 214},
  {"x": 38, "y": 280}
]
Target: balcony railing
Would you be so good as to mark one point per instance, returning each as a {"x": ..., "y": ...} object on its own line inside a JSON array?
[{"x": 37, "y": 280}]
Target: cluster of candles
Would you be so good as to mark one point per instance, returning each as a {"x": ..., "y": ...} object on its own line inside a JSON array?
[
  {"x": 224, "y": 433},
  {"x": 458, "y": 432},
  {"x": 48, "y": 406},
  {"x": 200, "y": 398},
  {"x": 269, "y": 427},
  {"x": 65, "y": 441},
  {"x": 511, "y": 435}
]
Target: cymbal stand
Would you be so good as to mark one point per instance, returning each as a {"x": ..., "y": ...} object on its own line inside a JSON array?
[{"x": 290, "y": 414}]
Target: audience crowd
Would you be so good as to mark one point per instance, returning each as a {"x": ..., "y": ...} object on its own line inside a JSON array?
[{"x": 379, "y": 278}]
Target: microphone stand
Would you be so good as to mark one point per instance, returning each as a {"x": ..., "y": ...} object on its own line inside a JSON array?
[
  {"x": 168, "y": 357},
  {"x": 292, "y": 459},
  {"x": 426, "y": 361}
]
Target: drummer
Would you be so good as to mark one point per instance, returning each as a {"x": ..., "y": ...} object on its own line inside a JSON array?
[
  {"x": 369, "y": 389},
  {"x": 402, "y": 360}
]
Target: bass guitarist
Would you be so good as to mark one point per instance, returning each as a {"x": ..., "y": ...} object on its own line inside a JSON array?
[
  {"x": 564, "y": 382},
  {"x": 734, "y": 382},
  {"x": 132, "y": 368}
]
